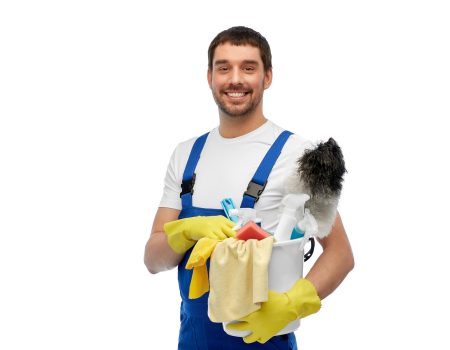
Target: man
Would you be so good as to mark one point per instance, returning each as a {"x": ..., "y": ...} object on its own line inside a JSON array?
[{"x": 220, "y": 165}]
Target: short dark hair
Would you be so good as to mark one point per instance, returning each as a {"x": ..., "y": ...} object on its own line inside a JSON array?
[{"x": 242, "y": 36}]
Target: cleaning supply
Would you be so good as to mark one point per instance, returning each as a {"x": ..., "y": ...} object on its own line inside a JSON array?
[
  {"x": 293, "y": 205},
  {"x": 281, "y": 309},
  {"x": 285, "y": 269},
  {"x": 197, "y": 261},
  {"x": 244, "y": 215},
  {"x": 320, "y": 175},
  {"x": 251, "y": 231},
  {"x": 297, "y": 233},
  {"x": 238, "y": 278},
  {"x": 227, "y": 205},
  {"x": 182, "y": 234},
  {"x": 307, "y": 226}
]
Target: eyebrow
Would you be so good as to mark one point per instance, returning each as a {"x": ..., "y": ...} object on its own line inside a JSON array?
[{"x": 218, "y": 62}]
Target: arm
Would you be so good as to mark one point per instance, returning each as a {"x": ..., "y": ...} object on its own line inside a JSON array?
[
  {"x": 158, "y": 254},
  {"x": 335, "y": 262},
  {"x": 171, "y": 238}
]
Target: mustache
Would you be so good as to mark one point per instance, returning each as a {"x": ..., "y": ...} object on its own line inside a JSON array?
[{"x": 237, "y": 88}]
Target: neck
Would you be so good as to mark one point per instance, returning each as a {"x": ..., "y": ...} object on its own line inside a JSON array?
[{"x": 231, "y": 126}]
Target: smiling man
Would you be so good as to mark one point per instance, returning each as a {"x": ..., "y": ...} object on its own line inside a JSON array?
[
  {"x": 238, "y": 74},
  {"x": 246, "y": 158},
  {"x": 238, "y": 79}
]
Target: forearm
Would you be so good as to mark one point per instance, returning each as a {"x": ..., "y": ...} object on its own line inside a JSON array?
[
  {"x": 329, "y": 271},
  {"x": 335, "y": 262},
  {"x": 158, "y": 254}
]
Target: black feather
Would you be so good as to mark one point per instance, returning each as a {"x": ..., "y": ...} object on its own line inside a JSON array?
[{"x": 322, "y": 169}]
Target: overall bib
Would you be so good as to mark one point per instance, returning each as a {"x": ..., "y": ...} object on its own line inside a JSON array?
[{"x": 197, "y": 332}]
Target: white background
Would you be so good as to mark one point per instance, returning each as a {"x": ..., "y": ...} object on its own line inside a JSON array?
[{"x": 94, "y": 96}]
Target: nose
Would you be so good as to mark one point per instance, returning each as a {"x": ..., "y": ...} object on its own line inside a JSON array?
[{"x": 236, "y": 76}]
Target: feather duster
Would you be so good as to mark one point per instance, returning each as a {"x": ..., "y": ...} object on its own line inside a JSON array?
[{"x": 320, "y": 174}]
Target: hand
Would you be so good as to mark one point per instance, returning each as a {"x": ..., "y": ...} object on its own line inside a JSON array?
[
  {"x": 281, "y": 309},
  {"x": 184, "y": 233}
]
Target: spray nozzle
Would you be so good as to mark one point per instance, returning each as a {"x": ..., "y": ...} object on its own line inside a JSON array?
[
  {"x": 244, "y": 215},
  {"x": 295, "y": 203}
]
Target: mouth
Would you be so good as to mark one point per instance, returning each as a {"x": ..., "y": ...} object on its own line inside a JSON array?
[{"x": 236, "y": 95}]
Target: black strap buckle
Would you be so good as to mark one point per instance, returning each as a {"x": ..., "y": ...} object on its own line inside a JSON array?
[
  {"x": 254, "y": 190},
  {"x": 188, "y": 186}
]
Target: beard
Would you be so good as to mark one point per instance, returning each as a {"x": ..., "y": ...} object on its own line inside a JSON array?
[{"x": 236, "y": 109}]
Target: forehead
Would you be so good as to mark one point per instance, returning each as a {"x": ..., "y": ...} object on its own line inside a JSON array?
[{"x": 234, "y": 53}]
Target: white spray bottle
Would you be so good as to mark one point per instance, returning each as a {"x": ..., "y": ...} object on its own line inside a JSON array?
[{"x": 292, "y": 204}]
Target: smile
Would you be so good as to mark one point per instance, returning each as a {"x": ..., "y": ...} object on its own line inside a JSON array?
[{"x": 236, "y": 94}]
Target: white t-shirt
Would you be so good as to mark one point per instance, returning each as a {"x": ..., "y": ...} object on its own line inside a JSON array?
[{"x": 227, "y": 165}]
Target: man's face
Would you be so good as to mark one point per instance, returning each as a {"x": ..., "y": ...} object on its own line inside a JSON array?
[{"x": 237, "y": 79}]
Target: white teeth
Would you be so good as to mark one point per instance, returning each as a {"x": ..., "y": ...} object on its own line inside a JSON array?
[{"x": 235, "y": 94}]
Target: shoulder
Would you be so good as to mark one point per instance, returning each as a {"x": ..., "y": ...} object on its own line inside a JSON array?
[
  {"x": 295, "y": 144},
  {"x": 183, "y": 148}
]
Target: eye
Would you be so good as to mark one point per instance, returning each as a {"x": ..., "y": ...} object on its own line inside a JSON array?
[
  {"x": 222, "y": 68},
  {"x": 249, "y": 69}
]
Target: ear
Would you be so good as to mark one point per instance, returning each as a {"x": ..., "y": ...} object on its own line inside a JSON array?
[
  {"x": 267, "y": 78},
  {"x": 209, "y": 77}
]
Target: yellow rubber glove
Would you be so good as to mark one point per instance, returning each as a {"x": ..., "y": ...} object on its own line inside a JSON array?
[
  {"x": 197, "y": 261},
  {"x": 280, "y": 310},
  {"x": 182, "y": 234}
]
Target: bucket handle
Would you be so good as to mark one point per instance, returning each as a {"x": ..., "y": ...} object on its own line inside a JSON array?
[{"x": 310, "y": 252}]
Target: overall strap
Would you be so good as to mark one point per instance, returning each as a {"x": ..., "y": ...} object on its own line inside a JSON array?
[
  {"x": 258, "y": 183},
  {"x": 187, "y": 185}
]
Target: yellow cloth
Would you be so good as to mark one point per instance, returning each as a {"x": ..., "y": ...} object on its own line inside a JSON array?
[
  {"x": 238, "y": 278},
  {"x": 197, "y": 261}
]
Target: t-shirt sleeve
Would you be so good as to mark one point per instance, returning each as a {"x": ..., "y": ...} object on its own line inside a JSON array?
[
  {"x": 172, "y": 184},
  {"x": 293, "y": 150}
]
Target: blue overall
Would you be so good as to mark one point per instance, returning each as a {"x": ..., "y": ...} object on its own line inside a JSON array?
[{"x": 197, "y": 332}]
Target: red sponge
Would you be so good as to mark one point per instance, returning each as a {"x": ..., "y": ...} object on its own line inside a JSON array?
[{"x": 251, "y": 230}]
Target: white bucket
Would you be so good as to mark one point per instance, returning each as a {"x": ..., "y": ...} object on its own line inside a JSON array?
[{"x": 285, "y": 268}]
